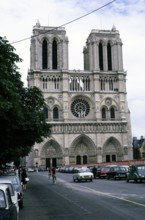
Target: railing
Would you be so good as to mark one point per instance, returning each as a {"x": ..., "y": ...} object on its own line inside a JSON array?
[{"x": 89, "y": 127}]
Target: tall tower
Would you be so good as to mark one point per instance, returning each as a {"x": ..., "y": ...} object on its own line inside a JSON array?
[{"x": 87, "y": 108}]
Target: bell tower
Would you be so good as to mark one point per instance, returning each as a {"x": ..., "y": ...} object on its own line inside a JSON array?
[{"x": 49, "y": 48}]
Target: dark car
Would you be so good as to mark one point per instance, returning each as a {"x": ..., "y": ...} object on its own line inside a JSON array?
[
  {"x": 136, "y": 173},
  {"x": 117, "y": 172},
  {"x": 8, "y": 210}
]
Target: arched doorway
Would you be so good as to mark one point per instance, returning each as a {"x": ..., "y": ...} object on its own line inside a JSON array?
[
  {"x": 82, "y": 151},
  {"x": 51, "y": 154},
  {"x": 112, "y": 150}
]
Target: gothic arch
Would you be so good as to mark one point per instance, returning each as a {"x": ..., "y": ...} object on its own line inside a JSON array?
[
  {"x": 82, "y": 145},
  {"x": 112, "y": 148},
  {"x": 52, "y": 102},
  {"x": 51, "y": 149}
]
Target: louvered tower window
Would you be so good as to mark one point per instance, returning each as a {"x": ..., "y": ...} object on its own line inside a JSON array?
[
  {"x": 54, "y": 55},
  {"x": 109, "y": 56},
  {"x": 44, "y": 54},
  {"x": 100, "y": 56}
]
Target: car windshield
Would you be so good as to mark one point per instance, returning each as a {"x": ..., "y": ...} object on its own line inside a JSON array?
[
  {"x": 2, "y": 200},
  {"x": 84, "y": 170},
  {"x": 141, "y": 167},
  {"x": 120, "y": 168}
]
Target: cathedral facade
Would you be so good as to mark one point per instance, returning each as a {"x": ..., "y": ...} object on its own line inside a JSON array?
[{"x": 88, "y": 108}]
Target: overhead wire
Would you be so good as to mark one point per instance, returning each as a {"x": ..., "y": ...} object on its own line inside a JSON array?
[{"x": 76, "y": 19}]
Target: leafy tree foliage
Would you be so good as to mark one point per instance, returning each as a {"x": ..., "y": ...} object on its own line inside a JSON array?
[{"x": 22, "y": 121}]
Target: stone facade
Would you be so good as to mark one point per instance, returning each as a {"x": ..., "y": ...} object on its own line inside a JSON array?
[{"x": 88, "y": 108}]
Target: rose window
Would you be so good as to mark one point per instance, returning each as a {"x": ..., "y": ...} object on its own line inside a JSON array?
[{"x": 80, "y": 108}]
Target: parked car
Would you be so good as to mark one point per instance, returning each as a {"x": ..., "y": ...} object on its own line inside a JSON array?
[
  {"x": 102, "y": 172},
  {"x": 17, "y": 186},
  {"x": 30, "y": 169},
  {"x": 83, "y": 175},
  {"x": 117, "y": 172},
  {"x": 8, "y": 210},
  {"x": 13, "y": 193},
  {"x": 136, "y": 173}
]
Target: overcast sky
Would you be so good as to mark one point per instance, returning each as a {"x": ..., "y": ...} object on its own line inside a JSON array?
[{"x": 17, "y": 18}]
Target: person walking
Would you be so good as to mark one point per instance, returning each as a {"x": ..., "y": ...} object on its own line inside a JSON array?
[
  {"x": 23, "y": 179},
  {"x": 49, "y": 172},
  {"x": 53, "y": 173}
]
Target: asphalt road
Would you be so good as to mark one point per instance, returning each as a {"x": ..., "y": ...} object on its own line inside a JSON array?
[{"x": 101, "y": 199}]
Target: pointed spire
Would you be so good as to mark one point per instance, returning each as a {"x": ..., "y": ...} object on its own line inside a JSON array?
[
  {"x": 113, "y": 28},
  {"x": 38, "y": 23}
]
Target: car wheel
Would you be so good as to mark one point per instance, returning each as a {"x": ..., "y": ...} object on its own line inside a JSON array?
[
  {"x": 74, "y": 180},
  {"x": 91, "y": 180},
  {"x": 127, "y": 180},
  {"x": 135, "y": 180},
  {"x": 78, "y": 180}
]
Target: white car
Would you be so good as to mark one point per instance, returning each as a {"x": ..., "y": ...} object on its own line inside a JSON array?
[
  {"x": 8, "y": 210},
  {"x": 83, "y": 174},
  {"x": 13, "y": 193}
]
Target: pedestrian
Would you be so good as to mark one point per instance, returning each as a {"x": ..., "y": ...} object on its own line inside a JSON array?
[
  {"x": 49, "y": 173},
  {"x": 94, "y": 171},
  {"x": 53, "y": 173},
  {"x": 24, "y": 179}
]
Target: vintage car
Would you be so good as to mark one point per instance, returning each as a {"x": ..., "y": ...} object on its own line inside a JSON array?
[
  {"x": 8, "y": 210},
  {"x": 83, "y": 174},
  {"x": 13, "y": 193},
  {"x": 17, "y": 186},
  {"x": 117, "y": 172},
  {"x": 136, "y": 172}
]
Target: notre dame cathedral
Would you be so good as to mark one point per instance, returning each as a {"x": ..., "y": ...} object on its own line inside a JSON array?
[{"x": 88, "y": 108}]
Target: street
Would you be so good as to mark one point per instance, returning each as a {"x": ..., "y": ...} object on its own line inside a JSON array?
[{"x": 101, "y": 199}]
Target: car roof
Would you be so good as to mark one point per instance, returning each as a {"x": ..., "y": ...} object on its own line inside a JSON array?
[{"x": 5, "y": 181}]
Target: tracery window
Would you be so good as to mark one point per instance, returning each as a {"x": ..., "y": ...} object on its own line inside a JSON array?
[
  {"x": 44, "y": 55},
  {"x": 80, "y": 108}
]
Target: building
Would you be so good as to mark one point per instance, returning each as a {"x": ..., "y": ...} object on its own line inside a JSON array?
[
  {"x": 87, "y": 108},
  {"x": 138, "y": 148}
]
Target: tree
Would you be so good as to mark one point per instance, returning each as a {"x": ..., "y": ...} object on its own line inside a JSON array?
[{"x": 22, "y": 122}]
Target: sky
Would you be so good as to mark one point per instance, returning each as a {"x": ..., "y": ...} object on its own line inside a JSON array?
[{"x": 17, "y": 18}]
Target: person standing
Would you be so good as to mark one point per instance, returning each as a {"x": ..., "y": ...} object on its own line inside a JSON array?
[{"x": 23, "y": 179}]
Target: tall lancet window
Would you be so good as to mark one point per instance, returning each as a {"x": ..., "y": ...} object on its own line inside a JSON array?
[
  {"x": 112, "y": 113},
  {"x": 54, "y": 55},
  {"x": 109, "y": 56},
  {"x": 101, "y": 56},
  {"x": 44, "y": 54}
]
